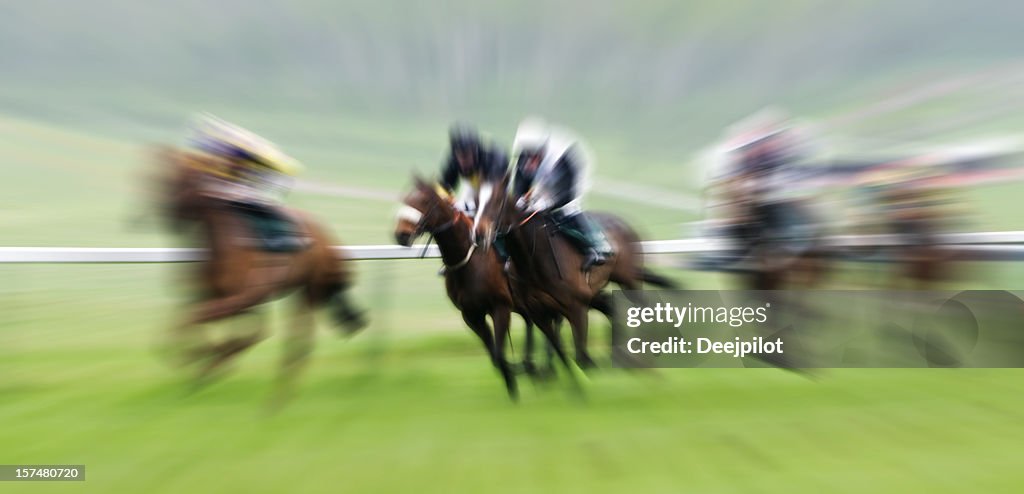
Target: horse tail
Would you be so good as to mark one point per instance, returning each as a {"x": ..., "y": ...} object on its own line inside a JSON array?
[{"x": 652, "y": 278}]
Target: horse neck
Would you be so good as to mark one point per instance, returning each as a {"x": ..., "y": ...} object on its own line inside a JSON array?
[
  {"x": 455, "y": 242},
  {"x": 217, "y": 226},
  {"x": 528, "y": 248}
]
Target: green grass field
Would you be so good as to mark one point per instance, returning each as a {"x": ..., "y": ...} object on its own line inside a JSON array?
[{"x": 393, "y": 411}]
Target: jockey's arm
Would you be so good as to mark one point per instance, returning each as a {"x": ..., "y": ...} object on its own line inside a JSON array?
[
  {"x": 561, "y": 187},
  {"x": 522, "y": 185},
  {"x": 548, "y": 196},
  {"x": 494, "y": 171}
]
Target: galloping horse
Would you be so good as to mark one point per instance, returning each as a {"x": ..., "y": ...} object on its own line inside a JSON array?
[
  {"x": 474, "y": 277},
  {"x": 796, "y": 260},
  {"x": 550, "y": 278},
  {"x": 238, "y": 276}
]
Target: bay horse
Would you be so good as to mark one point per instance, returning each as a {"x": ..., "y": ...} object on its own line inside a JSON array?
[
  {"x": 550, "y": 278},
  {"x": 237, "y": 276},
  {"x": 474, "y": 275}
]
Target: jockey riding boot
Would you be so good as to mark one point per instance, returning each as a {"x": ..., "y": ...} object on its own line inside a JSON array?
[
  {"x": 592, "y": 238},
  {"x": 502, "y": 250}
]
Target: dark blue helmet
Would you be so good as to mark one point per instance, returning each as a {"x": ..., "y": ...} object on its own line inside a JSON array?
[{"x": 464, "y": 138}]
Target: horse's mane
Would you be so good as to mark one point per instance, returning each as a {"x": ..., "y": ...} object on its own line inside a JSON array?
[{"x": 181, "y": 172}]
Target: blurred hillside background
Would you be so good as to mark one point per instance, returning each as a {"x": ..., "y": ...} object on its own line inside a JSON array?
[{"x": 363, "y": 93}]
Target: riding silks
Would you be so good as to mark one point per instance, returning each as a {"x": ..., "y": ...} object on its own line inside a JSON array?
[{"x": 273, "y": 231}]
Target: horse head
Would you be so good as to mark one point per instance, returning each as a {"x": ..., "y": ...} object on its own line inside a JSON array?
[
  {"x": 177, "y": 185},
  {"x": 424, "y": 210}
]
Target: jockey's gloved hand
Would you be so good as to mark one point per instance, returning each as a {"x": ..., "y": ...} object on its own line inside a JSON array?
[
  {"x": 521, "y": 202},
  {"x": 540, "y": 204}
]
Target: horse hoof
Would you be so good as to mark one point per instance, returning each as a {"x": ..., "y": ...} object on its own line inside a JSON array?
[
  {"x": 529, "y": 368},
  {"x": 354, "y": 322},
  {"x": 586, "y": 363},
  {"x": 513, "y": 394}
]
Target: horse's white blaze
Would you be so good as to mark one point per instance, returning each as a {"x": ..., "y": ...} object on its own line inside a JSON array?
[{"x": 409, "y": 213}]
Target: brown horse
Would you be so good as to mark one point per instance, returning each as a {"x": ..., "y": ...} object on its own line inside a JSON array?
[
  {"x": 474, "y": 277},
  {"x": 550, "y": 277},
  {"x": 237, "y": 276}
]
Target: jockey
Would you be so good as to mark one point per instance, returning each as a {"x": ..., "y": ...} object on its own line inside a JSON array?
[
  {"x": 477, "y": 165},
  {"x": 255, "y": 175},
  {"x": 552, "y": 168},
  {"x": 760, "y": 176}
]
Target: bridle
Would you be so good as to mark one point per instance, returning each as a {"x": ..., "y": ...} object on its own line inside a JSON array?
[
  {"x": 513, "y": 224},
  {"x": 421, "y": 227}
]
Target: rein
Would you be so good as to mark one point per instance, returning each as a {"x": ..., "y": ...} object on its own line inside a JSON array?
[
  {"x": 426, "y": 246},
  {"x": 441, "y": 229},
  {"x": 469, "y": 253},
  {"x": 464, "y": 261},
  {"x": 528, "y": 218}
]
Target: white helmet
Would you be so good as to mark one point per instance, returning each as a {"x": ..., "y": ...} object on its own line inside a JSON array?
[{"x": 533, "y": 134}]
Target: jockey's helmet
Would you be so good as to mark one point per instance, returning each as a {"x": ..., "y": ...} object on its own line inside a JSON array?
[
  {"x": 225, "y": 139},
  {"x": 531, "y": 136},
  {"x": 463, "y": 138}
]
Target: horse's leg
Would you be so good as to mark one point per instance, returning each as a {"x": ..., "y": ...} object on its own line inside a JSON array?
[
  {"x": 529, "y": 367},
  {"x": 604, "y": 304},
  {"x": 548, "y": 371},
  {"x": 577, "y": 317},
  {"x": 477, "y": 322},
  {"x": 259, "y": 283},
  {"x": 185, "y": 345},
  {"x": 550, "y": 353},
  {"x": 350, "y": 317},
  {"x": 297, "y": 348},
  {"x": 550, "y": 331},
  {"x": 233, "y": 304},
  {"x": 501, "y": 316},
  {"x": 185, "y": 342},
  {"x": 226, "y": 351},
  {"x": 213, "y": 310}
]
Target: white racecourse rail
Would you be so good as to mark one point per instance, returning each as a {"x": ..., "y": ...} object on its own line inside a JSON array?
[{"x": 991, "y": 245}]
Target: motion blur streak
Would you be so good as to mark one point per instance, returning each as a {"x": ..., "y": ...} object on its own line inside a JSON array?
[{"x": 768, "y": 126}]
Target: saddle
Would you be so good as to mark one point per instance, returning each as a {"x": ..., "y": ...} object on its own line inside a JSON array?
[
  {"x": 570, "y": 230},
  {"x": 273, "y": 230}
]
